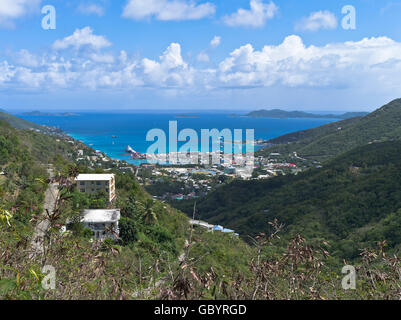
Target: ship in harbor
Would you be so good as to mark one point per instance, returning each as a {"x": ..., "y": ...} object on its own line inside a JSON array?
[
  {"x": 135, "y": 155},
  {"x": 129, "y": 150}
]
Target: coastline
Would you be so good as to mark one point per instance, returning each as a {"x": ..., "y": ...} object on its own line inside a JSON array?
[{"x": 112, "y": 133}]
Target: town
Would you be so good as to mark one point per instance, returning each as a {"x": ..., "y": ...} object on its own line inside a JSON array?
[{"x": 167, "y": 183}]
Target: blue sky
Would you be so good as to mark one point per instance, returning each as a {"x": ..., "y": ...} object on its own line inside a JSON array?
[{"x": 199, "y": 54}]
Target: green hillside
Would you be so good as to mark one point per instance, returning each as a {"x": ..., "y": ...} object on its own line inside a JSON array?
[
  {"x": 333, "y": 139},
  {"x": 18, "y": 123},
  {"x": 354, "y": 201},
  {"x": 152, "y": 233},
  {"x": 351, "y": 203}
]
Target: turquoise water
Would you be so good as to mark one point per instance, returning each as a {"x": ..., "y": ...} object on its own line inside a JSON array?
[{"x": 97, "y": 129}]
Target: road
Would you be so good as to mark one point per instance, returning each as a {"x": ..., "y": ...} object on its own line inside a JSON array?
[
  {"x": 43, "y": 226},
  {"x": 201, "y": 223}
]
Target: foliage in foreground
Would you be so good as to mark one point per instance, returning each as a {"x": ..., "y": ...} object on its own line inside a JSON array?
[{"x": 86, "y": 270}]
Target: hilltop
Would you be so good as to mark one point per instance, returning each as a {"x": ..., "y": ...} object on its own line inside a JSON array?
[
  {"x": 335, "y": 138},
  {"x": 18, "y": 123},
  {"x": 281, "y": 114}
]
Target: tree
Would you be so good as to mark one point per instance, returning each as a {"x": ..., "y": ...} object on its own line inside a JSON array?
[
  {"x": 128, "y": 232},
  {"x": 148, "y": 213}
]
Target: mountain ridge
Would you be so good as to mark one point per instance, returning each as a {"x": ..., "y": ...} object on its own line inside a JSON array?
[
  {"x": 330, "y": 140},
  {"x": 282, "y": 114}
]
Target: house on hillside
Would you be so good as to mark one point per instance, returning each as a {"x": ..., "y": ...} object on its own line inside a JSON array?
[
  {"x": 230, "y": 170},
  {"x": 102, "y": 222},
  {"x": 93, "y": 183},
  {"x": 177, "y": 197}
]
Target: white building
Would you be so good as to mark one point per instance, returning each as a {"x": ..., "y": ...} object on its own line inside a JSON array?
[
  {"x": 103, "y": 223},
  {"x": 93, "y": 183}
]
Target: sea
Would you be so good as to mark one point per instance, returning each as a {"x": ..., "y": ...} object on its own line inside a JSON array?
[{"x": 111, "y": 132}]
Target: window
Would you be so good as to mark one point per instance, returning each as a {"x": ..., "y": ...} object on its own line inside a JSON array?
[
  {"x": 83, "y": 190},
  {"x": 98, "y": 183},
  {"x": 82, "y": 183}
]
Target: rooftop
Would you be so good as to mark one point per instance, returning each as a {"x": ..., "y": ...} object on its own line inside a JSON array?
[
  {"x": 100, "y": 216},
  {"x": 94, "y": 177}
]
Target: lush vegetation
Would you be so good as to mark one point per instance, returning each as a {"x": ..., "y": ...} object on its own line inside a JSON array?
[
  {"x": 153, "y": 235},
  {"x": 18, "y": 123},
  {"x": 354, "y": 201},
  {"x": 333, "y": 139},
  {"x": 299, "y": 230}
]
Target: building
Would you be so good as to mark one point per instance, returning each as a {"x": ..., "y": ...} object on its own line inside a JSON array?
[
  {"x": 230, "y": 170},
  {"x": 93, "y": 183},
  {"x": 103, "y": 223},
  {"x": 177, "y": 197}
]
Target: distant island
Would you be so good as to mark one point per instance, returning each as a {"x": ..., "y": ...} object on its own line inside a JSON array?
[
  {"x": 187, "y": 116},
  {"x": 281, "y": 114},
  {"x": 39, "y": 113}
]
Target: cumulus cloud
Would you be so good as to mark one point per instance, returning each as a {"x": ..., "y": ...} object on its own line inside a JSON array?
[
  {"x": 170, "y": 71},
  {"x": 82, "y": 38},
  {"x": 318, "y": 20},
  {"x": 215, "y": 42},
  {"x": 256, "y": 17},
  {"x": 167, "y": 10},
  {"x": 203, "y": 57},
  {"x": 10, "y": 10},
  {"x": 27, "y": 59},
  {"x": 369, "y": 63},
  {"x": 91, "y": 9},
  {"x": 293, "y": 64}
]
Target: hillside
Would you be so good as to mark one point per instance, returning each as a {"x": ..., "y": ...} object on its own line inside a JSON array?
[
  {"x": 351, "y": 202},
  {"x": 18, "y": 123},
  {"x": 354, "y": 201},
  {"x": 333, "y": 139},
  {"x": 281, "y": 114},
  {"x": 152, "y": 235}
]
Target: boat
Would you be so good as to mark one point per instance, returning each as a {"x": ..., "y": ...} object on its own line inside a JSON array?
[
  {"x": 128, "y": 149},
  {"x": 135, "y": 155}
]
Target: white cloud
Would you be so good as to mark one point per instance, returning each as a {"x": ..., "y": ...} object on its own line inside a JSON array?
[
  {"x": 167, "y": 10},
  {"x": 82, "y": 38},
  {"x": 215, "y": 42},
  {"x": 371, "y": 64},
  {"x": 6, "y": 72},
  {"x": 256, "y": 17},
  {"x": 293, "y": 64},
  {"x": 203, "y": 57},
  {"x": 10, "y": 10},
  {"x": 171, "y": 71},
  {"x": 27, "y": 59},
  {"x": 91, "y": 9},
  {"x": 102, "y": 58},
  {"x": 318, "y": 20}
]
